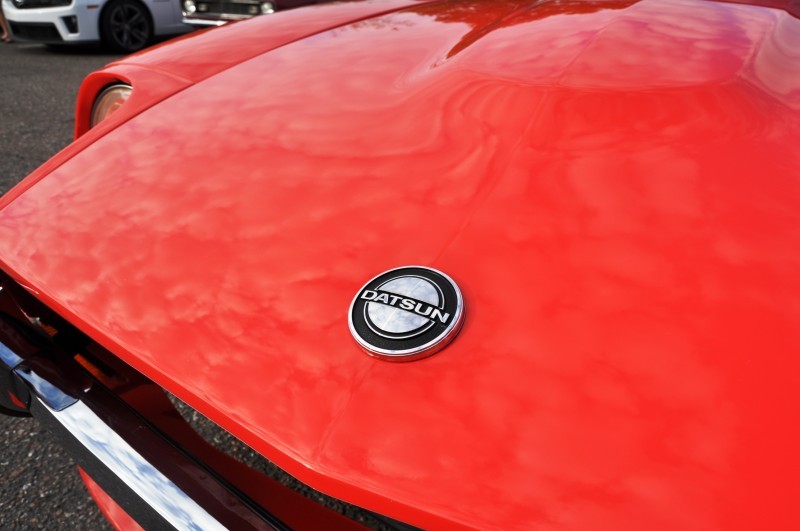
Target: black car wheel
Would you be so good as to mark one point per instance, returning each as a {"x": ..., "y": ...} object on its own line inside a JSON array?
[{"x": 126, "y": 26}]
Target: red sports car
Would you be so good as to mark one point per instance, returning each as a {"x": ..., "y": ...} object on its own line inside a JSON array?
[{"x": 447, "y": 264}]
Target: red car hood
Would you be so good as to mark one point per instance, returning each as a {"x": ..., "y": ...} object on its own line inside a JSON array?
[{"x": 613, "y": 185}]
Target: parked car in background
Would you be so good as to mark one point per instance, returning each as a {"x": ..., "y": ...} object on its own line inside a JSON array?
[
  {"x": 122, "y": 25},
  {"x": 461, "y": 264},
  {"x": 219, "y": 12}
]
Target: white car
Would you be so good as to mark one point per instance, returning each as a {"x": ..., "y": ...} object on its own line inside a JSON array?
[{"x": 123, "y": 25}]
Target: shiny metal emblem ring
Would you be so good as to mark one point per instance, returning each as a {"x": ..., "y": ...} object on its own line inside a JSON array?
[{"x": 406, "y": 313}]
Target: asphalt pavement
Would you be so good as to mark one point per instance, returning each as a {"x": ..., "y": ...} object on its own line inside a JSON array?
[{"x": 39, "y": 485}]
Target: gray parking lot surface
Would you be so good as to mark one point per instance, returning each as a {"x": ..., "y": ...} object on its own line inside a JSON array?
[
  {"x": 39, "y": 485},
  {"x": 38, "y": 87}
]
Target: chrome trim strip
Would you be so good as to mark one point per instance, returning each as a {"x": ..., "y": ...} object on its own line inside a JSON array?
[
  {"x": 156, "y": 482},
  {"x": 51, "y": 396},
  {"x": 177, "y": 508},
  {"x": 204, "y": 22},
  {"x": 8, "y": 357}
]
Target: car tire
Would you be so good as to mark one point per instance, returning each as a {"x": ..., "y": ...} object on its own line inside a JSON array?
[{"x": 126, "y": 26}]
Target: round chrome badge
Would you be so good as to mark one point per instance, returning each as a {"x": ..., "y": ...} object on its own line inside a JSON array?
[{"x": 407, "y": 313}]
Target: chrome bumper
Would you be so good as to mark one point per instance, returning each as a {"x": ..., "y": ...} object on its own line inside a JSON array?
[
  {"x": 152, "y": 479},
  {"x": 202, "y": 22}
]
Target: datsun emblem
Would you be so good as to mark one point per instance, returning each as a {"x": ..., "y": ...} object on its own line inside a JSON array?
[{"x": 406, "y": 313}]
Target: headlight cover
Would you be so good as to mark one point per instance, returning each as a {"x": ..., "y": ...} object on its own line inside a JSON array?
[{"x": 109, "y": 100}]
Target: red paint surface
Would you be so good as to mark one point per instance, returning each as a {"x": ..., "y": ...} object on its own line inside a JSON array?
[
  {"x": 16, "y": 401},
  {"x": 614, "y": 186},
  {"x": 161, "y": 71},
  {"x": 115, "y": 514}
]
